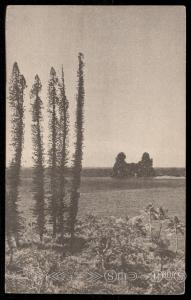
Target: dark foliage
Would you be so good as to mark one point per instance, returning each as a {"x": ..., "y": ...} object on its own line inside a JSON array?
[
  {"x": 17, "y": 86},
  {"x": 63, "y": 150},
  {"x": 77, "y": 161},
  {"x": 120, "y": 166},
  {"x": 143, "y": 168},
  {"x": 38, "y": 173},
  {"x": 53, "y": 151}
]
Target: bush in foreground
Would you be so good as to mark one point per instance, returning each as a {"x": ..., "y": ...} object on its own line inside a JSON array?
[{"x": 141, "y": 255}]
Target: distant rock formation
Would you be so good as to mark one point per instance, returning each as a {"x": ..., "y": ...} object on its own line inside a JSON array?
[{"x": 122, "y": 169}]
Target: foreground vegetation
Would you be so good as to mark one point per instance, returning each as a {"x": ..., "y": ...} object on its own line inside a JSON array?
[{"x": 143, "y": 245}]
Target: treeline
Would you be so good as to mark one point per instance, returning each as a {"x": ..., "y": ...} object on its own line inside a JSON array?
[
  {"x": 106, "y": 172},
  {"x": 62, "y": 215}
]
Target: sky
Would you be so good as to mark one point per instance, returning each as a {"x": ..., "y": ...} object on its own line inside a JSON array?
[{"x": 135, "y": 60}]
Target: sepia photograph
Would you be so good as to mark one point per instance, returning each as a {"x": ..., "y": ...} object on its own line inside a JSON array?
[{"x": 95, "y": 149}]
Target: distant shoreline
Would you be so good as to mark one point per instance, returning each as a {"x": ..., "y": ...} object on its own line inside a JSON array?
[{"x": 106, "y": 172}]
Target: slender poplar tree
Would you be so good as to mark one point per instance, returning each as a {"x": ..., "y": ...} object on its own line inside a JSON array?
[
  {"x": 16, "y": 101},
  {"x": 38, "y": 151},
  {"x": 53, "y": 151},
  {"x": 77, "y": 160},
  {"x": 63, "y": 150}
]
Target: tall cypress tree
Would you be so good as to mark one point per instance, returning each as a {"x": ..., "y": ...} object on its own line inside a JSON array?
[
  {"x": 16, "y": 99},
  {"x": 53, "y": 151},
  {"x": 77, "y": 161},
  {"x": 38, "y": 149},
  {"x": 63, "y": 149}
]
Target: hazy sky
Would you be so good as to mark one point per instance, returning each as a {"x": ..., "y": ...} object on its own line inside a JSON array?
[{"x": 134, "y": 76}]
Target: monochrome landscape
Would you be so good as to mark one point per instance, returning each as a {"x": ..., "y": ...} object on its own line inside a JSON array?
[{"x": 95, "y": 150}]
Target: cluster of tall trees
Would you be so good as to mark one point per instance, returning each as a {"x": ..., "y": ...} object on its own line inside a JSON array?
[
  {"x": 17, "y": 87},
  {"x": 144, "y": 168},
  {"x": 58, "y": 113}
]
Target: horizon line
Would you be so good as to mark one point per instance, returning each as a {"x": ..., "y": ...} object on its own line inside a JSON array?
[{"x": 88, "y": 167}]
